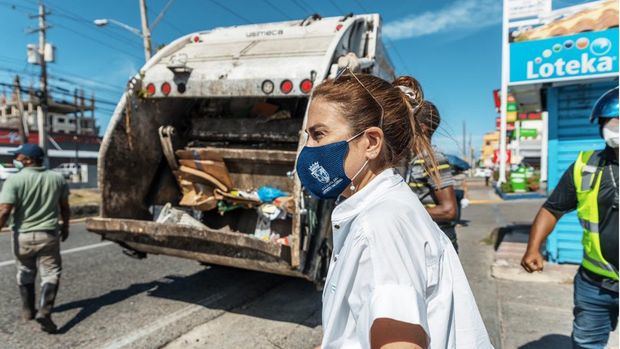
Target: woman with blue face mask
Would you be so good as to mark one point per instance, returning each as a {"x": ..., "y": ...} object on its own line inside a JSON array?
[{"x": 394, "y": 279}]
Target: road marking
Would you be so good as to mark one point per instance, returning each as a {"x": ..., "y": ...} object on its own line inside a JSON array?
[
  {"x": 72, "y": 250},
  {"x": 166, "y": 321}
]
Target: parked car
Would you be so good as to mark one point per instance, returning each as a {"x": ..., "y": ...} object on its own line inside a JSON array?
[
  {"x": 480, "y": 172},
  {"x": 68, "y": 169}
]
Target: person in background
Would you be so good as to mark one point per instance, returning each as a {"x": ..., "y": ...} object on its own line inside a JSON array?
[
  {"x": 394, "y": 279},
  {"x": 487, "y": 176},
  {"x": 439, "y": 199},
  {"x": 590, "y": 186},
  {"x": 36, "y": 197}
]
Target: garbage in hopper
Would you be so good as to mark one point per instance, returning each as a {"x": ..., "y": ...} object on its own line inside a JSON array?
[{"x": 206, "y": 184}]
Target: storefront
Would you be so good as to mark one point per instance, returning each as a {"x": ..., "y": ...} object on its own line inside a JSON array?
[{"x": 561, "y": 62}]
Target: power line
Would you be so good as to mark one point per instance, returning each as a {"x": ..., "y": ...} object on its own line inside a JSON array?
[
  {"x": 303, "y": 9},
  {"x": 76, "y": 76},
  {"x": 20, "y": 8},
  {"x": 359, "y": 3},
  {"x": 337, "y": 7},
  {"x": 98, "y": 89},
  {"x": 400, "y": 57},
  {"x": 109, "y": 92},
  {"x": 277, "y": 9},
  {"x": 64, "y": 13},
  {"x": 174, "y": 27},
  {"x": 96, "y": 40},
  {"x": 60, "y": 91},
  {"x": 312, "y": 10},
  {"x": 163, "y": 19},
  {"x": 83, "y": 80},
  {"x": 231, "y": 11}
]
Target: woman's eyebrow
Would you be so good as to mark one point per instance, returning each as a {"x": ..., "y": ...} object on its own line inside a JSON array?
[{"x": 314, "y": 127}]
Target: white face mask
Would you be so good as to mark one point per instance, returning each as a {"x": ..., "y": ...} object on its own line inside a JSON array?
[
  {"x": 18, "y": 164},
  {"x": 611, "y": 136}
]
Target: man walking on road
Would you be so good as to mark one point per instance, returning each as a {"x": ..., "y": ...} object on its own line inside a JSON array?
[
  {"x": 590, "y": 185},
  {"x": 36, "y": 196}
]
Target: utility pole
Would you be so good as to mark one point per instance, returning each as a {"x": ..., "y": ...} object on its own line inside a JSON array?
[
  {"x": 470, "y": 149},
  {"x": 146, "y": 32},
  {"x": 42, "y": 109},
  {"x": 77, "y": 124},
  {"x": 504, "y": 95},
  {"x": 464, "y": 140},
  {"x": 22, "y": 124}
]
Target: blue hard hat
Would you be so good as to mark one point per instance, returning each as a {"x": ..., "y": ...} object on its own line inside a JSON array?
[
  {"x": 30, "y": 150},
  {"x": 606, "y": 107}
]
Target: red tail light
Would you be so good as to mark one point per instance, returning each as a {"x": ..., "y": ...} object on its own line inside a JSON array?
[
  {"x": 286, "y": 86},
  {"x": 150, "y": 89},
  {"x": 306, "y": 86},
  {"x": 196, "y": 38},
  {"x": 339, "y": 26},
  {"x": 165, "y": 88}
]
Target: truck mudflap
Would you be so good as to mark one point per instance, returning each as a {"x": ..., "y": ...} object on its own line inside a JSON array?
[{"x": 205, "y": 245}]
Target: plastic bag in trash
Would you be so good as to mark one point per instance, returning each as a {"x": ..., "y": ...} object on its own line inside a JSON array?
[
  {"x": 170, "y": 215},
  {"x": 272, "y": 212},
  {"x": 263, "y": 228},
  {"x": 268, "y": 194}
]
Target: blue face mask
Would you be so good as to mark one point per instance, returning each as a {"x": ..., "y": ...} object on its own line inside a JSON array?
[{"x": 321, "y": 169}]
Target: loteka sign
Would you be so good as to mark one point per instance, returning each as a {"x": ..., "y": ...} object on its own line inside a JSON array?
[{"x": 583, "y": 55}]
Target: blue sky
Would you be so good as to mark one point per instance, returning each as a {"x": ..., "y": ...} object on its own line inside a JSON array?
[{"x": 452, "y": 47}]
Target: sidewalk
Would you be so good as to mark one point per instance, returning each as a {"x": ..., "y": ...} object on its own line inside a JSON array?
[
  {"x": 479, "y": 194},
  {"x": 519, "y": 312}
]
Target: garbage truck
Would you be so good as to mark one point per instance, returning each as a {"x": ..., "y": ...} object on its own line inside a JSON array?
[{"x": 198, "y": 159}]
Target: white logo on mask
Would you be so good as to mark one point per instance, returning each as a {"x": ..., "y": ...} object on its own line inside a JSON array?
[{"x": 319, "y": 173}]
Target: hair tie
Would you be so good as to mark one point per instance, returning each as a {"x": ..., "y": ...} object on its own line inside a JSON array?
[{"x": 408, "y": 91}]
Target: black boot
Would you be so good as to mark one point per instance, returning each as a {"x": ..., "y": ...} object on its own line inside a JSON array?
[
  {"x": 26, "y": 292},
  {"x": 44, "y": 316}
]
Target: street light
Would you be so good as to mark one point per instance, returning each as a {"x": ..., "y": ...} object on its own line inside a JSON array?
[
  {"x": 145, "y": 33},
  {"x": 105, "y": 21},
  {"x": 102, "y": 22}
]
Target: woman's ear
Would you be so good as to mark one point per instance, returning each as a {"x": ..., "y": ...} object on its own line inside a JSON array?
[{"x": 375, "y": 142}]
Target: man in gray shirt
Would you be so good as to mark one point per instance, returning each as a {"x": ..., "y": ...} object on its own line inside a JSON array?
[{"x": 36, "y": 197}]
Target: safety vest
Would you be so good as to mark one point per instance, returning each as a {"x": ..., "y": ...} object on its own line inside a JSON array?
[{"x": 588, "y": 174}]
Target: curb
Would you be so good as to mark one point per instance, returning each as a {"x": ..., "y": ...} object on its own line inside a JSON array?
[
  {"x": 485, "y": 202},
  {"x": 507, "y": 266},
  {"x": 519, "y": 196}
]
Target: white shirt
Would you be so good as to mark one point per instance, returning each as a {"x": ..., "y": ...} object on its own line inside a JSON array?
[{"x": 390, "y": 260}]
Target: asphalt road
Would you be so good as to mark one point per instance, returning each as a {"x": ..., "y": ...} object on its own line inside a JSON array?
[{"x": 108, "y": 300}]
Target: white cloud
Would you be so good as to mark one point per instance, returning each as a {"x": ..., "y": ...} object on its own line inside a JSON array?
[{"x": 460, "y": 15}]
